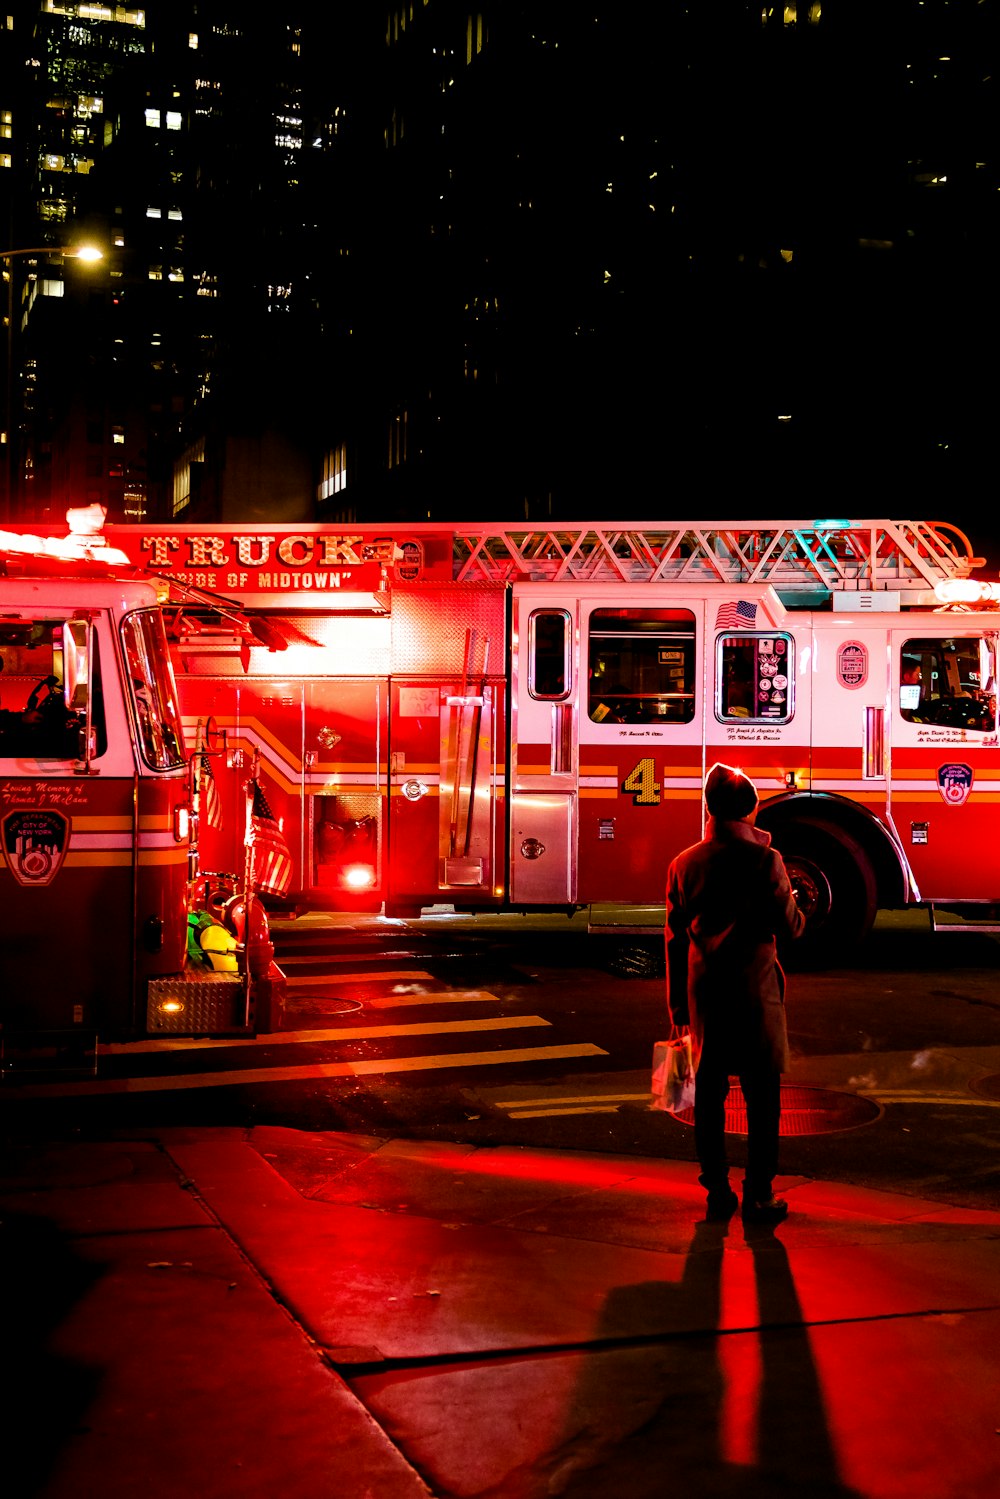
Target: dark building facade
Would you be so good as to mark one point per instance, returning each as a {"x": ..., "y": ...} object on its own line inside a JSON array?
[
  {"x": 428, "y": 260},
  {"x": 678, "y": 259}
]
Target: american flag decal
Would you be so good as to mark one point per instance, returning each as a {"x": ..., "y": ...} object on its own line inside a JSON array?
[
  {"x": 735, "y": 615},
  {"x": 272, "y": 863},
  {"x": 210, "y": 799}
]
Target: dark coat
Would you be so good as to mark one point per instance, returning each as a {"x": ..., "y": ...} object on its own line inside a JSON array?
[{"x": 728, "y": 898}]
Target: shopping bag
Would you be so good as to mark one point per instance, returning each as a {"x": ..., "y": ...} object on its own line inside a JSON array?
[{"x": 673, "y": 1074}]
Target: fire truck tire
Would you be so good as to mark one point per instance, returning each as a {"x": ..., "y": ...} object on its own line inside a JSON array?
[{"x": 835, "y": 886}]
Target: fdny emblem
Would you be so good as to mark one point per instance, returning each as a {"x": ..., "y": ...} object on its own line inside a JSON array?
[
  {"x": 955, "y": 783},
  {"x": 34, "y": 843}
]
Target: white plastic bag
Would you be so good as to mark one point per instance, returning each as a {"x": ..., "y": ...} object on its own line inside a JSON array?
[{"x": 673, "y": 1074}]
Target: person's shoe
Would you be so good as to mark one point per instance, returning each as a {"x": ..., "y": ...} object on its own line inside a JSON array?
[
  {"x": 767, "y": 1210},
  {"x": 722, "y": 1204}
]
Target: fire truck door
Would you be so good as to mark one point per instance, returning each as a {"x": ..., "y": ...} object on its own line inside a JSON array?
[
  {"x": 544, "y": 749},
  {"x": 944, "y": 754},
  {"x": 641, "y": 739},
  {"x": 850, "y": 730},
  {"x": 443, "y": 770}
]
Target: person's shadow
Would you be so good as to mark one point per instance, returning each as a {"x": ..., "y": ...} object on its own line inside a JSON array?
[{"x": 674, "y": 1405}]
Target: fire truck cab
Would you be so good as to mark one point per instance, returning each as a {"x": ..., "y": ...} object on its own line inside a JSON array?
[{"x": 94, "y": 805}]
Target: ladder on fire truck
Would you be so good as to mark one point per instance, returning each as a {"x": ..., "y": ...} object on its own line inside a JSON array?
[{"x": 795, "y": 557}]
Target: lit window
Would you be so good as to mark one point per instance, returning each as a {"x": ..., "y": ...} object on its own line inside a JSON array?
[
  {"x": 334, "y": 471},
  {"x": 174, "y": 213},
  {"x": 156, "y": 273},
  {"x": 173, "y": 119},
  {"x": 153, "y": 119},
  {"x": 154, "y": 213},
  {"x": 5, "y": 159},
  {"x": 193, "y": 40},
  {"x": 117, "y": 434},
  {"x": 176, "y": 273}
]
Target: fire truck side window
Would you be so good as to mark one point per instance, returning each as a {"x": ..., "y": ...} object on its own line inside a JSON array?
[
  {"x": 755, "y": 677},
  {"x": 35, "y": 722},
  {"x": 153, "y": 695},
  {"x": 641, "y": 666},
  {"x": 949, "y": 681},
  {"x": 550, "y": 636}
]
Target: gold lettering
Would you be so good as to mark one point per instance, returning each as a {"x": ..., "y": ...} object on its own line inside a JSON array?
[
  {"x": 286, "y": 550},
  {"x": 161, "y": 547},
  {"x": 338, "y": 550},
  {"x": 246, "y": 545},
  {"x": 207, "y": 551}
]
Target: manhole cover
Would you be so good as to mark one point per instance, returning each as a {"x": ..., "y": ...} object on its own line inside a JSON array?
[
  {"x": 804, "y": 1111},
  {"x": 987, "y": 1087}
]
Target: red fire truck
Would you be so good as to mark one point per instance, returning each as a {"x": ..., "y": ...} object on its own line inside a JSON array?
[{"x": 512, "y": 718}]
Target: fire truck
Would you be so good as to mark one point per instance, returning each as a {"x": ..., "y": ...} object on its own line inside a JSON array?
[{"x": 500, "y": 718}]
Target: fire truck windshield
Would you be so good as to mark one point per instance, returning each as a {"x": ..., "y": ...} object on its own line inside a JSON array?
[
  {"x": 35, "y": 721},
  {"x": 152, "y": 691}
]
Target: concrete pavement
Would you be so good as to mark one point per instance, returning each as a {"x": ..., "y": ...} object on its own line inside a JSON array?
[{"x": 220, "y": 1312}]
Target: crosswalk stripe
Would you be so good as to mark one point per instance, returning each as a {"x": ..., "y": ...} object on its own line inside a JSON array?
[
  {"x": 910, "y": 1096},
  {"x": 289, "y": 960},
  {"x": 313, "y": 1070},
  {"x": 545, "y": 1108},
  {"x": 333, "y": 1033},
  {"x": 426, "y": 997},
  {"x": 590, "y": 1108},
  {"x": 315, "y": 980},
  {"x": 537, "y": 1103}
]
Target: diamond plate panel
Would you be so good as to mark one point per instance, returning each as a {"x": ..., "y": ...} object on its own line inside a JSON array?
[
  {"x": 196, "y": 1004},
  {"x": 428, "y": 628}
]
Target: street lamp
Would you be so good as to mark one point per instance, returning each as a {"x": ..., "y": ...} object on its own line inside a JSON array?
[{"x": 86, "y": 253}]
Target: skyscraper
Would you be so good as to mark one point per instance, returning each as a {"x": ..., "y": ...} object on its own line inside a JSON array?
[
  {"x": 531, "y": 259},
  {"x": 180, "y": 138}
]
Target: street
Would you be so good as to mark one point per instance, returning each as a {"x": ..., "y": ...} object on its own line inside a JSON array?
[{"x": 514, "y": 1031}]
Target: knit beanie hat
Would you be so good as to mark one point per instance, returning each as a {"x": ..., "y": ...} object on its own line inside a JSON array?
[{"x": 729, "y": 794}]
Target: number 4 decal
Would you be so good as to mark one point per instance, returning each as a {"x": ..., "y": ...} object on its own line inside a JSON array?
[{"x": 642, "y": 784}]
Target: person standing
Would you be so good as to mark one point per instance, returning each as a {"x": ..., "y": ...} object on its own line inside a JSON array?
[{"x": 728, "y": 900}]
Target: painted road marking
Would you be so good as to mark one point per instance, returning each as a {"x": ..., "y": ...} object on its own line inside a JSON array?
[
  {"x": 129, "y": 1048},
  {"x": 335, "y": 959},
  {"x": 315, "y": 1070},
  {"x": 588, "y": 1103},
  {"x": 941, "y": 1099},
  {"x": 317, "y": 979}
]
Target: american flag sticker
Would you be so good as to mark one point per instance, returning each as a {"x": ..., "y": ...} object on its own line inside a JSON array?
[{"x": 735, "y": 615}]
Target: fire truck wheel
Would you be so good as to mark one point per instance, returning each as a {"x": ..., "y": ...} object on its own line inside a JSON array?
[{"x": 834, "y": 885}]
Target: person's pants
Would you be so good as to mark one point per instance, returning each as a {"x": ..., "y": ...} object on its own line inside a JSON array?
[{"x": 761, "y": 1087}]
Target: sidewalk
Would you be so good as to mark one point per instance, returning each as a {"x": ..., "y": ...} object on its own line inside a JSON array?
[{"x": 284, "y": 1316}]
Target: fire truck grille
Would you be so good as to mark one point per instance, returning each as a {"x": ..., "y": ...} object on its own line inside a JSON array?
[{"x": 197, "y": 1005}]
